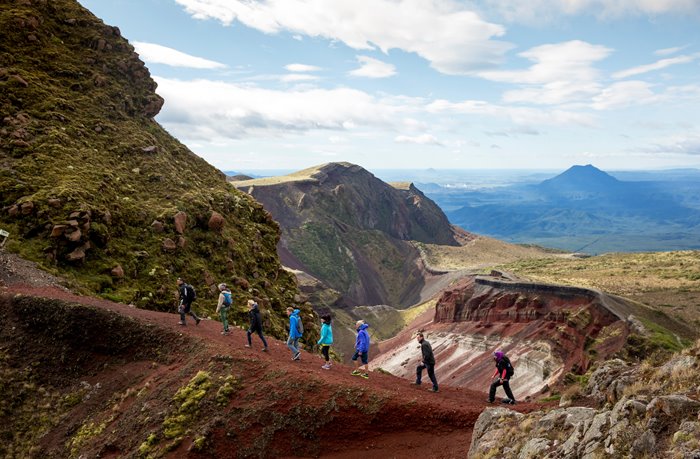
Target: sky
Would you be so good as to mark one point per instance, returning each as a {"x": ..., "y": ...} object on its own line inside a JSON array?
[{"x": 445, "y": 84}]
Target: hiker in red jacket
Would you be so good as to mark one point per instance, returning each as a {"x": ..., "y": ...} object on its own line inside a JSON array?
[{"x": 504, "y": 371}]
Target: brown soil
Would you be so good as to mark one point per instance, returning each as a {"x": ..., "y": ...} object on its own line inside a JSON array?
[{"x": 280, "y": 410}]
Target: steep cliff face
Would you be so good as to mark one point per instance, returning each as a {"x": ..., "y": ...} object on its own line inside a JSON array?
[
  {"x": 352, "y": 231},
  {"x": 94, "y": 189}
]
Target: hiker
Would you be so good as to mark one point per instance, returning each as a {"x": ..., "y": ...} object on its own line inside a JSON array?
[
  {"x": 361, "y": 349},
  {"x": 223, "y": 306},
  {"x": 296, "y": 330},
  {"x": 187, "y": 296},
  {"x": 428, "y": 362},
  {"x": 504, "y": 371},
  {"x": 326, "y": 340},
  {"x": 255, "y": 324}
]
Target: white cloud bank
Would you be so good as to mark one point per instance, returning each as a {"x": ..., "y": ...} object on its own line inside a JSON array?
[
  {"x": 423, "y": 139},
  {"x": 455, "y": 40},
  {"x": 158, "y": 54},
  {"x": 373, "y": 68},
  {"x": 302, "y": 68},
  {"x": 658, "y": 65},
  {"x": 537, "y": 11}
]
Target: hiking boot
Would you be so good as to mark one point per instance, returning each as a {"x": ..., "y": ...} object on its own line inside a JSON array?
[
  {"x": 225, "y": 333},
  {"x": 364, "y": 375},
  {"x": 355, "y": 373},
  {"x": 415, "y": 383},
  {"x": 182, "y": 323},
  {"x": 488, "y": 400},
  {"x": 508, "y": 401},
  {"x": 247, "y": 345},
  {"x": 297, "y": 356},
  {"x": 264, "y": 349},
  {"x": 197, "y": 321},
  {"x": 326, "y": 367},
  {"x": 434, "y": 389}
]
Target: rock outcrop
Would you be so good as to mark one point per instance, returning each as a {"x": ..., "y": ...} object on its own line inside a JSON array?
[{"x": 643, "y": 412}]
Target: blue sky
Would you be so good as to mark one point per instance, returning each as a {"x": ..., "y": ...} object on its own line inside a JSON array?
[{"x": 483, "y": 84}]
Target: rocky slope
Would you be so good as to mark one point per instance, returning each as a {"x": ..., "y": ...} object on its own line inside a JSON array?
[
  {"x": 352, "y": 231},
  {"x": 94, "y": 189},
  {"x": 650, "y": 410},
  {"x": 550, "y": 331}
]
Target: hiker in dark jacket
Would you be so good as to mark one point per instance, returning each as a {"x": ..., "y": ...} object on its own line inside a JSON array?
[
  {"x": 187, "y": 295},
  {"x": 428, "y": 362},
  {"x": 255, "y": 324},
  {"x": 504, "y": 371}
]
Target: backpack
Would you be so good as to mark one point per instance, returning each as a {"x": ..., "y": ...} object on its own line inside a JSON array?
[
  {"x": 300, "y": 326},
  {"x": 510, "y": 371},
  {"x": 190, "y": 294},
  {"x": 227, "y": 299}
]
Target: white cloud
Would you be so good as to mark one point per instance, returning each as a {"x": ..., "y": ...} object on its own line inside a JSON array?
[
  {"x": 538, "y": 11},
  {"x": 624, "y": 94},
  {"x": 302, "y": 68},
  {"x": 661, "y": 64},
  {"x": 526, "y": 116},
  {"x": 296, "y": 77},
  {"x": 562, "y": 72},
  {"x": 373, "y": 68},
  {"x": 423, "y": 139},
  {"x": 204, "y": 109},
  {"x": 669, "y": 51},
  {"x": 682, "y": 144},
  {"x": 452, "y": 38},
  {"x": 158, "y": 54}
]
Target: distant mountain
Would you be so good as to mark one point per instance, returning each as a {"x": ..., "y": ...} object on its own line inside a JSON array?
[
  {"x": 581, "y": 180},
  {"x": 582, "y": 207},
  {"x": 351, "y": 230}
]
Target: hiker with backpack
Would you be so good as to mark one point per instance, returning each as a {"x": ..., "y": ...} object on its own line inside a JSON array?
[
  {"x": 296, "y": 331},
  {"x": 255, "y": 324},
  {"x": 504, "y": 371},
  {"x": 361, "y": 349},
  {"x": 326, "y": 340},
  {"x": 223, "y": 306},
  {"x": 428, "y": 362},
  {"x": 187, "y": 296}
]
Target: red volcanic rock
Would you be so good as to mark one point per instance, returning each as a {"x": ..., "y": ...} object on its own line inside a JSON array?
[
  {"x": 157, "y": 226},
  {"x": 169, "y": 245},
  {"x": 216, "y": 222},
  {"x": 180, "y": 220},
  {"x": 118, "y": 272}
]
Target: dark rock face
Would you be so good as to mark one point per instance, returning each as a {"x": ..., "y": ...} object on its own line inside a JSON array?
[{"x": 350, "y": 230}]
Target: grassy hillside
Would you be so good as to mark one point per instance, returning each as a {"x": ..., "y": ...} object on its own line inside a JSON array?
[
  {"x": 94, "y": 189},
  {"x": 669, "y": 281}
]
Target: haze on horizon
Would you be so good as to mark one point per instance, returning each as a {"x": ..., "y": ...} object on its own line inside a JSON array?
[{"x": 389, "y": 84}]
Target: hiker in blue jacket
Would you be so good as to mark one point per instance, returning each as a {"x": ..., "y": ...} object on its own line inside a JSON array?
[
  {"x": 361, "y": 349},
  {"x": 296, "y": 330},
  {"x": 326, "y": 340}
]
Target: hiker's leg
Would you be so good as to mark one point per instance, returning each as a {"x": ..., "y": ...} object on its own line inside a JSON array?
[
  {"x": 324, "y": 351},
  {"x": 290, "y": 345},
  {"x": 419, "y": 373},
  {"x": 431, "y": 375},
  {"x": 262, "y": 338},
  {"x": 365, "y": 359},
  {"x": 492, "y": 390},
  {"x": 506, "y": 388},
  {"x": 224, "y": 317},
  {"x": 249, "y": 334}
]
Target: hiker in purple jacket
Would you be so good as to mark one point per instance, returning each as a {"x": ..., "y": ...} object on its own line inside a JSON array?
[{"x": 361, "y": 349}]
